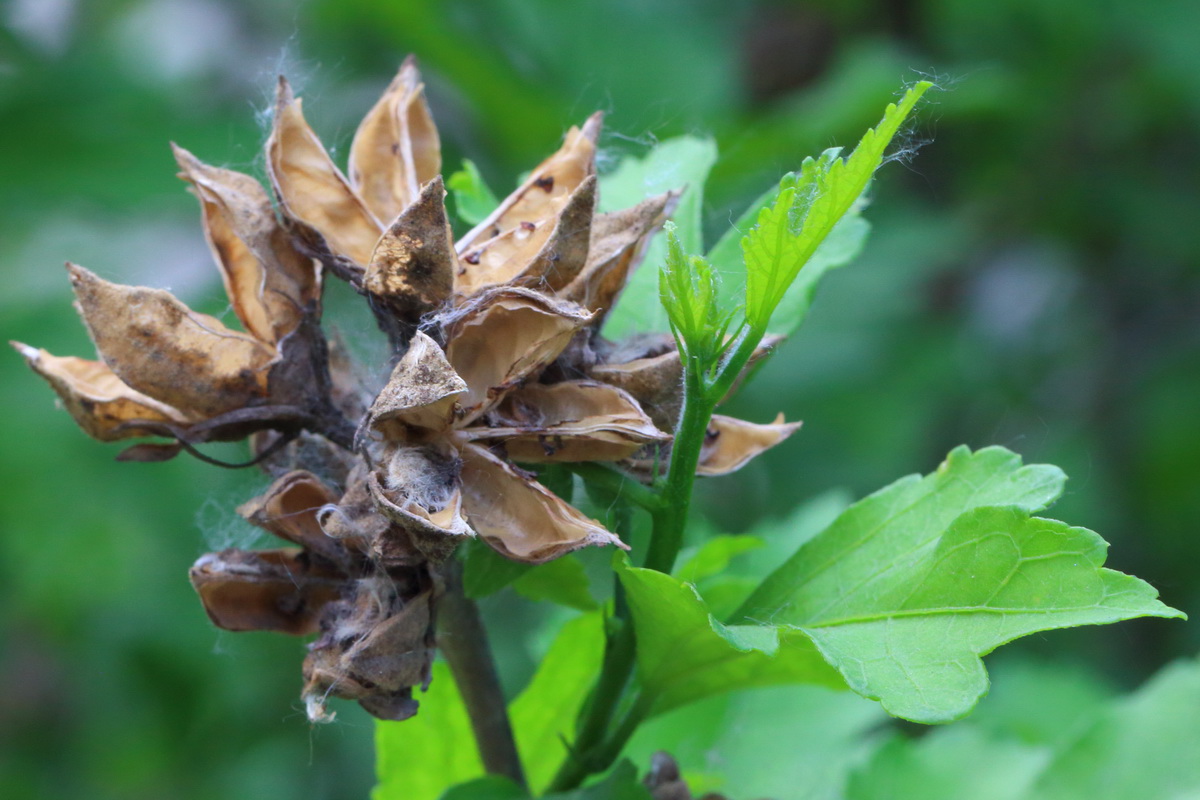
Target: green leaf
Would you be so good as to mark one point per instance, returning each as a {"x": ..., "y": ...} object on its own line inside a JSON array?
[
  {"x": 687, "y": 288},
  {"x": 684, "y": 653},
  {"x": 543, "y": 715},
  {"x": 680, "y": 163},
  {"x": 949, "y": 764},
  {"x": 911, "y": 586},
  {"x": 491, "y": 787},
  {"x": 486, "y": 572},
  {"x": 621, "y": 784},
  {"x": 563, "y": 581},
  {"x": 418, "y": 758},
  {"x": 712, "y": 557},
  {"x": 1145, "y": 745},
  {"x": 809, "y": 205},
  {"x": 473, "y": 200}
]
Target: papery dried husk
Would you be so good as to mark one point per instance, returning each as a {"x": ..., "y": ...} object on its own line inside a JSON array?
[
  {"x": 160, "y": 347},
  {"x": 374, "y": 648},
  {"x": 396, "y": 148},
  {"x": 542, "y": 193},
  {"x": 413, "y": 265},
  {"x": 518, "y": 516},
  {"x": 570, "y": 421},
  {"x": 289, "y": 509},
  {"x": 265, "y": 590},
  {"x": 420, "y": 397},
  {"x": 311, "y": 188},
  {"x": 618, "y": 243},
  {"x": 102, "y": 405},
  {"x": 270, "y": 285},
  {"x": 730, "y": 444},
  {"x": 656, "y": 382},
  {"x": 418, "y": 532},
  {"x": 354, "y": 520},
  {"x": 507, "y": 337},
  {"x": 547, "y": 254}
]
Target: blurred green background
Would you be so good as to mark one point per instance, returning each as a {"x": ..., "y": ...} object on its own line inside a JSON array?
[{"x": 1032, "y": 280}]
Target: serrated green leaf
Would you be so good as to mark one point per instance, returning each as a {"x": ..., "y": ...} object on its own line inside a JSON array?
[
  {"x": 418, "y": 758},
  {"x": 687, "y": 289},
  {"x": 685, "y": 654},
  {"x": 808, "y": 207},
  {"x": 563, "y": 581},
  {"x": 473, "y": 200},
  {"x": 543, "y": 715},
  {"x": 673, "y": 164},
  {"x": 911, "y": 586}
]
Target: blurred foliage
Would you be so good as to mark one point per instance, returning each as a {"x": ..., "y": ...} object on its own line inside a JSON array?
[{"x": 1031, "y": 280}]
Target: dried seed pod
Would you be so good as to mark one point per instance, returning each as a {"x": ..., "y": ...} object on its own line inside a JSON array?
[
  {"x": 289, "y": 509},
  {"x": 160, "y": 347},
  {"x": 413, "y": 265},
  {"x": 99, "y": 401},
  {"x": 265, "y": 590},
  {"x": 269, "y": 283},
  {"x": 311, "y": 189},
  {"x": 421, "y": 396},
  {"x": 731, "y": 443},
  {"x": 570, "y": 421},
  {"x": 396, "y": 148},
  {"x": 507, "y": 337},
  {"x": 543, "y": 192},
  {"x": 518, "y": 516}
]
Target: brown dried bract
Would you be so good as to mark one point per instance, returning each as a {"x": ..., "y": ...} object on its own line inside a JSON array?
[
  {"x": 161, "y": 348},
  {"x": 311, "y": 188},
  {"x": 731, "y": 443},
  {"x": 396, "y": 148},
  {"x": 99, "y": 401},
  {"x": 518, "y": 516},
  {"x": 571, "y": 421},
  {"x": 420, "y": 397}
]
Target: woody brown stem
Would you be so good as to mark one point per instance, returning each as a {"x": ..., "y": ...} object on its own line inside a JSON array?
[{"x": 463, "y": 639}]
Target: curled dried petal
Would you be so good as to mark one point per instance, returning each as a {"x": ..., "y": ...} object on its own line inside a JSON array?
[
  {"x": 571, "y": 421},
  {"x": 731, "y": 443},
  {"x": 618, "y": 243},
  {"x": 543, "y": 192},
  {"x": 396, "y": 147},
  {"x": 311, "y": 188},
  {"x": 413, "y": 265},
  {"x": 289, "y": 509},
  {"x": 518, "y": 516},
  {"x": 160, "y": 347},
  {"x": 265, "y": 590},
  {"x": 98, "y": 400},
  {"x": 269, "y": 283},
  {"x": 420, "y": 396},
  {"x": 546, "y": 254},
  {"x": 507, "y": 337}
]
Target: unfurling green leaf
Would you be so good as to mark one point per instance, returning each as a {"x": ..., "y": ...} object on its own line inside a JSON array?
[
  {"x": 909, "y": 587},
  {"x": 473, "y": 200},
  {"x": 687, "y": 287},
  {"x": 685, "y": 654},
  {"x": 809, "y": 205}
]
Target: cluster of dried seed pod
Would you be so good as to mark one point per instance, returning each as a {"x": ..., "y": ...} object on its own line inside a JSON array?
[{"x": 498, "y": 361}]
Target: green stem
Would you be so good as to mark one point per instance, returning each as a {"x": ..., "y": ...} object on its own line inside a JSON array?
[{"x": 463, "y": 639}]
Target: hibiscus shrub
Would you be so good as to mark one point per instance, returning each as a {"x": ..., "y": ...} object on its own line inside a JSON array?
[{"x": 540, "y": 379}]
